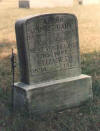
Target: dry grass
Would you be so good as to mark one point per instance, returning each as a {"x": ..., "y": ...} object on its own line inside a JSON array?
[
  {"x": 88, "y": 18},
  {"x": 85, "y": 118}
]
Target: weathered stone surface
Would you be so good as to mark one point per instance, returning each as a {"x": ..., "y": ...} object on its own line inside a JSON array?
[
  {"x": 24, "y": 4},
  {"x": 53, "y": 96},
  {"x": 48, "y": 47}
]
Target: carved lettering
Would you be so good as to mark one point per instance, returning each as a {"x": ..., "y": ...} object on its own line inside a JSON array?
[{"x": 52, "y": 45}]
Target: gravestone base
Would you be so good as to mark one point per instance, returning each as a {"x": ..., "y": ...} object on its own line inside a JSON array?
[{"x": 54, "y": 95}]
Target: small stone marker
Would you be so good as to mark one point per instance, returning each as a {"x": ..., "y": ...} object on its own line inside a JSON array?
[
  {"x": 24, "y": 4},
  {"x": 51, "y": 79}
]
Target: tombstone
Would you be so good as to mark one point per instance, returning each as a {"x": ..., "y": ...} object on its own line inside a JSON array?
[
  {"x": 86, "y": 2},
  {"x": 49, "y": 61},
  {"x": 24, "y": 4},
  {"x": 45, "y": 3}
]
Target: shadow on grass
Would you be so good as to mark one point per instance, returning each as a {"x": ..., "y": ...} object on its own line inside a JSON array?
[
  {"x": 83, "y": 118},
  {"x": 90, "y": 64}
]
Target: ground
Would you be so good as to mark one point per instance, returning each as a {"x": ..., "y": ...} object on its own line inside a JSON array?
[{"x": 84, "y": 118}]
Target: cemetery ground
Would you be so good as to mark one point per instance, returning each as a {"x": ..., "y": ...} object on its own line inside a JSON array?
[{"x": 83, "y": 118}]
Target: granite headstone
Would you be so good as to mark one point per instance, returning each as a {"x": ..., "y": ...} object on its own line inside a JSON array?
[{"x": 49, "y": 59}]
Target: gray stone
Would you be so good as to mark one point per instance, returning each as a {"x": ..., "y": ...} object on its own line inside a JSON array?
[
  {"x": 54, "y": 95},
  {"x": 49, "y": 59},
  {"x": 48, "y": 47},
  {"x": 24, "y": 4}
]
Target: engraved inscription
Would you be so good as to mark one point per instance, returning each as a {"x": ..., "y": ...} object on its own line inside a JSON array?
[{"x": 52, "y": 44}]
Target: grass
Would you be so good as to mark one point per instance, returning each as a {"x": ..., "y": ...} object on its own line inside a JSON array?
[{"x": 84, "y": 118}]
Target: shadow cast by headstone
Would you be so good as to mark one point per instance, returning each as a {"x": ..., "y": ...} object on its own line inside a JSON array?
[
  {"x": 90, "y": 63},
  {"x": 6, "y": 77}
]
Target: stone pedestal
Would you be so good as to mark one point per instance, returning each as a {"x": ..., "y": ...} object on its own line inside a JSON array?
[{"x": 54, "y": 95}]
